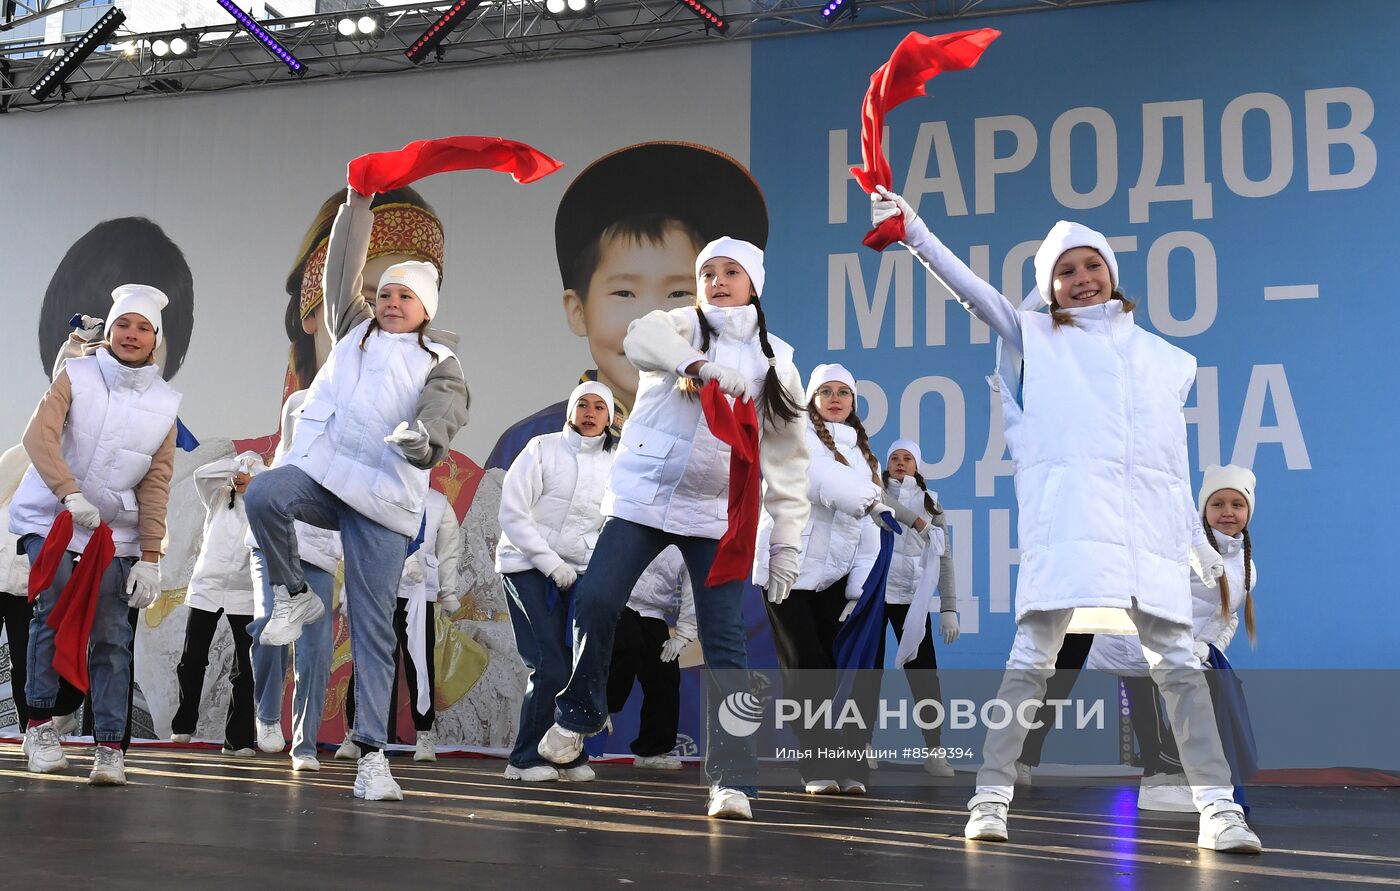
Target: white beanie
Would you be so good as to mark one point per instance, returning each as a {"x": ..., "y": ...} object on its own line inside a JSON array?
[
  {"x": 144, "y": 300},
  {"x": 419, "y": 277},
  {"x": 597, "y": 389},
  {"x": 909, "y": 446},
  {"x": 1231, "y": 476},
  {"x": 746, "y": 254},
  {"x": 1064, "y": 236},
  {"x": 824, "y": 374}
]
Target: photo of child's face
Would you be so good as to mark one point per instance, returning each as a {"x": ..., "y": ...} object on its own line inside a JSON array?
[{"x": 633, "y": 278}]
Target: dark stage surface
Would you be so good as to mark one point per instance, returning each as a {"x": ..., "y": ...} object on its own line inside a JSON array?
[{"x": 195, "y": 820}]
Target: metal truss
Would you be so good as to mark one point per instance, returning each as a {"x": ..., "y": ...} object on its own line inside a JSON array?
[{"x": 500, "y": 31}]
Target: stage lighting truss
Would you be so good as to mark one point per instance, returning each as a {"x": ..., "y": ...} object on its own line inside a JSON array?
[
  {"x": 263, "y": 36},
  {"x": 71, "y": 58},
  {"x": 432, "y": 38},
  {"x": 361, "y": 27},
  {"x": 707, "y": 15},
  {"x": 183, "y": 45},
  {"x": 834, "y": 9},
  {"x": 568, "y": 9}
]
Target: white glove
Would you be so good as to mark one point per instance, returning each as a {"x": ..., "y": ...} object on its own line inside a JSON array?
[
  {"x": 564, "y": 577},
  {"x": 413, "y": 569},
  {"x": 449, "y": 604},
  {"x": 782, "y": 572},
  {"x": 342, "y": 606},
  {"x": 84, "y": 514},
  {"x": 86, "y": 327},
  {"x": 1207, "y": 563},
  {"x": 1202, "y": 652},
  {"x": 948, "y": 627},
  {"x": 885, "y": 204},
  {"x": 411, "y": 441},
  {"x": 730, "y": 380},
  {"x": 878, "y": 512},
  {"x": 850, "y": 608},
  {"x": 671, "y": 649},
  {"x": 143, "y": 585}
]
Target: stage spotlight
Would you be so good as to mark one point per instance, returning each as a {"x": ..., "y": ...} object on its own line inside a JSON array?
[
  {"x": 834, "y": 9},
  {"x": 180, "y": 46},
  {"x": 707, "y": 15},
  {"x": 360, "y": 28},
  {"x": 260, "y": 34},
  {"x": 367, "y": 25},
  {"x": 75, "y": 55},
  {"x": 434, "y": 36},
  {"x": 346, "y": 27},
  {"x": 568, "y": 9}
]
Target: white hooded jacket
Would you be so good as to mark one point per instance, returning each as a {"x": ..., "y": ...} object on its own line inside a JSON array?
[
  {"x": 550, "y": 502},
  {"x": 222, "y": 578},
  {"x": 907, "y": 561}
]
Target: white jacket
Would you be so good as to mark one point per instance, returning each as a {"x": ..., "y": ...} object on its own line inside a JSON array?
[
  {"x": 550, "y": 503},
  {"x": 14, "y": 566},
  {"x": 907, "y": 562},
  {"x": 222, "y": 578},
  {"x": 664, "y": 592},
  {"x": 671, "y": 472},
  {"x": 441, "y": 552},
  {"x": 836, "y": 543},
  {"x": 118, "y": 419}
]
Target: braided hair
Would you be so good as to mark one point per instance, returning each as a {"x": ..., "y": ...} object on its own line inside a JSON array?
[
  {"x": 422, "y": 326},
  {"x": 777, "y": 403},
  {"x": 1248, "y": 582},
  {"x": 863, "y": 441}
]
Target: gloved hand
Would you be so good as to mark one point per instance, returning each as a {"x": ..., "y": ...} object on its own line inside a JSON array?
[
  {"x": 86, "y": 327},
  {"x": 1202, "y": 652},
  {"x": 564, "y": 577},
  {"x": 412, "y": 442},
  {"x": 143, "y": 585},
  {"x": 413, "y": 569},
  {"x": 884, "y": 518},
  {"x": 885, "y": 204},
  {"x": 730, "y": 380},
  {"x": 1207, "y": 563},
  {"x": 342, "y": 605},
  {"x": 449, "y": 603},
  {"x": 948, "y": 626},
  {"x": 84, "y": 514},
  {"x": 671, "y": 649},
  {"x": 782, "y": 572},
  {"x": 850, "y": 608}
]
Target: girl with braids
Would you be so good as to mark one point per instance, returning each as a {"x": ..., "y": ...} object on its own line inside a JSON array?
[
  {"x": 915, "y": 555},
  {"x": 669, "y": 485},
  {"x": 1226, "y": 504},
  {"x": 1092, "y": 406},
  {"x": 378, "y": 415}
]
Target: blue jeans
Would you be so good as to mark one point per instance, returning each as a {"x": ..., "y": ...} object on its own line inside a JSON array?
[
  {"x": 624, "y": 551},
  {"x": 109, "y": 648},
  {"x": 374, "y": 558},
  {"x": 311, "y": 660},
  {"x": 542, "y": 639}
]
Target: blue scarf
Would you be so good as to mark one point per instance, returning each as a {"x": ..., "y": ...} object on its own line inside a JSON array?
[{"x": 1232, "y": 719}]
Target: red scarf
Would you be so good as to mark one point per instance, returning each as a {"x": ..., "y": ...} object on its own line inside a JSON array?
[
  {"x": 912, "y": 64},
  {"x": 735, "y": 424},
  {"x": 383, "y": 171},
  {"x": 72, "y": 616}
]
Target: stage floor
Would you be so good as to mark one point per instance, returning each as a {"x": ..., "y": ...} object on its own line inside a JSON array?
[{"x": 195, "y": 820}]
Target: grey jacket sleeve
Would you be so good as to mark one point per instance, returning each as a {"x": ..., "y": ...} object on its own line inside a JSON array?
[
  {"x": 346, "y": 251},
  {"x": 947, "y": 580},
  {"x": 442, "y": 407}
]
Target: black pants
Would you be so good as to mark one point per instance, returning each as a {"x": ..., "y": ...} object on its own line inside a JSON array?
[
  {"x": 199, "y": 634},
  {"x": 922, "y": 670},
  {"x": 1156, "y": 742},
  {"x": 636, "y": 656},
  {"x": 804, "y": 634},
  {"x": 15, "y": 615},
  {"x": 1074, "y": 652},
  {"x": 422, "y": 721}
]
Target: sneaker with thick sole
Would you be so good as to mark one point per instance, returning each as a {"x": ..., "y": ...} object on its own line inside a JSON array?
[
  {"x": 1165, "y": 792},
  {"x": 270, "y": 738},
  {"x": 540, "y": 773},
  {"x": 728, "y": 804},
  {"x": 987, "y": 822},
  {"x": 348, "y": 751},
  {"x": 560, "y": 746},
  {"x": 580, "y": 774},
  {"x": 288, "y": 615},
  {"x": 656, "y": 762},
  {"x": 373, "y": 782},
  {"x": 935, "y": 765},
  {"x": 43, "y": 750},
  {"x": 821, "y": 787},
  {"x": 425, "y": 747},
  {"x": 181, "y": 738},
  {"x": 305, "y": 762},
  {"x": 852, "y": 787},
  {"x": 108, "y": 767},
  {"x": 1223, "y": 829},
  {"x": 245, "y": 752},
  {"x": 1023, "y": 774}
]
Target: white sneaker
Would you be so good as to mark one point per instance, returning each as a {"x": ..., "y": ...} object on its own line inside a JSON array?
[
  {"x": 289, "y": 614},
  {"x": 181, "y": 738},
  {"x": 245, "y": 752},
  {"x": 373, "y": 782},
  {"x": 540, "y": 773},
  {"x": 935, "y": 765},
  {"x": 1166, "y": 792},
  {"x": 348, "y": 751},
  {"x": 1023, "y": 774},
  {"x": 44, "y": 751},
  {"x": 656, "y": 762},
  {"x": 270, "y": 738},
  {"x": 108, "y": 767},
  {"x": 728, "y": 804},
  {"x": 65, "y": 724},
  {"x": 305, "y": 762},
  {"x": 425, "y": 748},
  {"x": 987, "y": 821},
  {"x": 580, "y": 774},
  {"x": 821, "y": 787},
  {"x": 852, "y": 787},
  {"x": 560, "y": 746},
  {"x": 1223, "y": 829}
]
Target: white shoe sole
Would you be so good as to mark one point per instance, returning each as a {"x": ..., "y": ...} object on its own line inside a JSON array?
[
  {"x": 642, "y": 764},
  {"x": 395, "y": 794},
  {"x": 107, "y": 778},
  {"x": 731, "y": 812},
  {"x": 48, "y": 766},
  {"x": 1164, "y": 804},
  {"x": 424, "y": 756},
  {"x": 300, "y": 764},
  {"x": 982, "y": 832},
  {"x": 829, "y": 787},
  {"x": 1241, "y": 846}
]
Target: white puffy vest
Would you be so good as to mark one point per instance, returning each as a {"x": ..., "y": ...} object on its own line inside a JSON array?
[
  {"x": 1101, "y": 470},
  {"x": 907, "y": 561},
  {"x": 118, "y": 419},
  {"x": 550, "y": 501},
  {"x": 358, "y": 398},
  {"x": 671, "y": 472}
]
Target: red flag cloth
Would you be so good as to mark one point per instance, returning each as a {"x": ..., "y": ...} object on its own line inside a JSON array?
[
  {"x": 916, "y": 60},
  {"x": 72, "y": 616},
  {"x": 735, "y": 424},
  {"x": 382, "y": 171}
]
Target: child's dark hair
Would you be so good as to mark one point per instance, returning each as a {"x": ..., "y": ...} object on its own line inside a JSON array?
[
  {"x": 1059, "y": 316},
  {"x": 646, "y": 228},
  {"x": 129, "y": 250},
  {"x": 863, "y": 441},
  {"x": 1248, "y": 582},
  {"x": 929, "y": 504},
  {"x": 422, "y": 326},
  {"x": 776, "y": 401}
]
